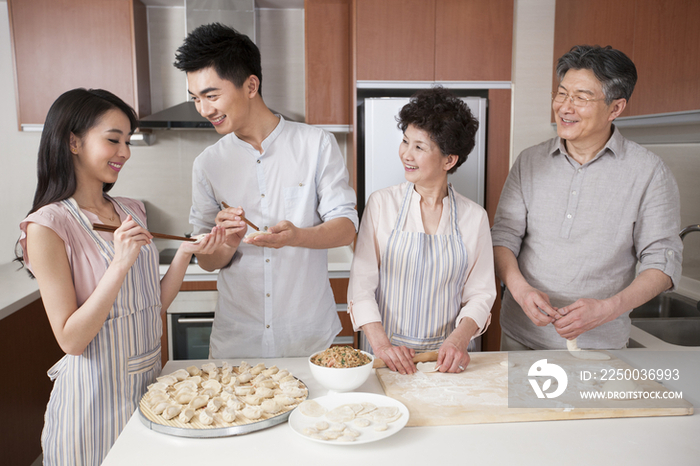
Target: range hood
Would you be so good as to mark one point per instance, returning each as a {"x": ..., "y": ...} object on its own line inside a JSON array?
[
  {"x": 180, "y": 116},
  {"x": 238, "y": 14}
]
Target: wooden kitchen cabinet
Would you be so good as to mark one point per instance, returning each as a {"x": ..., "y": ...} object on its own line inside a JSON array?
[
  {"x": 434, "y": 40},
  {"x": 497, "y": 167},
  {"x": 28, "y": 349},
  {"x": 329, "y": 84},
  {"x": 60, "y": 45},
  {"x": 666, "y": 50},
  {"x": 473, "y": 40},
  {"x": 660, "y": 36},
  {"x": 396, "y": 40}
]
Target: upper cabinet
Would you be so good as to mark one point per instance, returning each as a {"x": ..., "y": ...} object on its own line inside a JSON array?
[
  {"x": 62, "y": 45},
  {"x": 473, "y": 40},
  {"x": 329, "y": 85},
  {"x": 660, "y": 36},
  {"x": 434, "y": 40},
  {"x": 396, "y": 40}
]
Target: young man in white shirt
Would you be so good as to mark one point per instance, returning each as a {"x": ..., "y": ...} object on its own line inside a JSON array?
[{"x": 287, "y": 178}]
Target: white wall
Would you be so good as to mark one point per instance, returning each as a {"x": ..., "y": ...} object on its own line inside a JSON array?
[
  {"x": 533, "y": 59},
  {"x": 17, "y": 152}
]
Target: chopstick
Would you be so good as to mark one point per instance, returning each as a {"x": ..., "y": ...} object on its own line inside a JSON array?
[
  {"x": 111, "y": 229},
  {"x": 226, "y": 206}
]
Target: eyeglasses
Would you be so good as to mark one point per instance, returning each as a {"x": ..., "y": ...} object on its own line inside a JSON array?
[{"x": 577, "y": 100}]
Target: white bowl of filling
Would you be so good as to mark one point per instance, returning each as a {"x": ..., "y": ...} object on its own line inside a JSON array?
[{"x": 341, "y": 368}]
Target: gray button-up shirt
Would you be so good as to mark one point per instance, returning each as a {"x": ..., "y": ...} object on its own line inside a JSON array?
[{"x": 579, "y": 231}]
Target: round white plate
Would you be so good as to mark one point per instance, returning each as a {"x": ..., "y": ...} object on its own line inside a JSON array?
[{"x": 298, "y": 422}]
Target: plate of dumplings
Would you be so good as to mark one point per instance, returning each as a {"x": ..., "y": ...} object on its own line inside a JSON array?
[
  {"x": 220, "y": 400},
  {"x": 349, "y": 418}
]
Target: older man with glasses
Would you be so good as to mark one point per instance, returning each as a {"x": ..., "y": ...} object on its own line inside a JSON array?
[{"x": 587, "y": 224}]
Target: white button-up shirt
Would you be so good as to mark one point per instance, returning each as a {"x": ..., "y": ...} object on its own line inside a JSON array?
[{"x": 274, "y": 302}]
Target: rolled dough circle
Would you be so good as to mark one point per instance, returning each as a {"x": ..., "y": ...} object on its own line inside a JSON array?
[
  {"x": 427, "y": 366},
  {"x": 620, "y": 386},
  {"x": 257, "y": 233},
  {"x": 578, "y": 353}
]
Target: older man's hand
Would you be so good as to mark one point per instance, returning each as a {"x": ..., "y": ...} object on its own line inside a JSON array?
[
  {"x": 536, "y": 306},
  {"x": 583, "y": 315}
]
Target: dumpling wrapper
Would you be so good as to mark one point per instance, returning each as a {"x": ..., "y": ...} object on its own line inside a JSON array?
[
  {"x": 427, "y": 366},
  {"x": 578, "y": 353},
  {"x": 311, "y": 408},
  {"x": 385, "y": 414},
  {"x": 342, "y": 413},
  {"x": 253, "y": 234},
  {"x": 199, "y": 237}
]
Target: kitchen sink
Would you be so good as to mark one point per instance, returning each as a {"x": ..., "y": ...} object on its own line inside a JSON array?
[
  {"x": 670, "y": 317},
  {"x": 683, "y": 331},
  {"x": 667, "y": 305}
]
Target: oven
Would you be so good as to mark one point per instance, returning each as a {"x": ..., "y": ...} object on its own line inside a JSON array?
[{"x": 190, "y": 319}]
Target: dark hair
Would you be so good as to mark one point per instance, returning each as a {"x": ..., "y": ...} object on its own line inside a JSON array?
[
  {"x": 76, "y": 111},
  {"x": 446, "y": 118},
  {"x": 615, "y": 71},
  {"x": 233, "y": 55}
]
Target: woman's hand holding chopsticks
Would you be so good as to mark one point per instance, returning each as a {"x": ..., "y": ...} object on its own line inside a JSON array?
[{"x": 128, "y": 240}]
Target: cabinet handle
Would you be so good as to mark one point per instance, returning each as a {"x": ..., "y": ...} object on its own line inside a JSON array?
[{"x": 195, "y": 320}]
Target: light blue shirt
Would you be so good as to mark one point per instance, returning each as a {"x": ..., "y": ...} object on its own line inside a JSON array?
[{"x": 274, "y": 302}]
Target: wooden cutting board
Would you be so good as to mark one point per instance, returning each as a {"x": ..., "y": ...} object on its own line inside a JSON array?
[{"x": 479, "y": 395}]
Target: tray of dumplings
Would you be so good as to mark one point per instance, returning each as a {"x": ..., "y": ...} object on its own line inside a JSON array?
[{"x": 220, "y": 400}]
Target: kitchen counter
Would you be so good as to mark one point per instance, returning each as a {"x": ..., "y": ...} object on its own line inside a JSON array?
[
  {"x": 652, "y": 440},
  {"x": 17, "y": 289},
  {"x": 339, "y": 261}
]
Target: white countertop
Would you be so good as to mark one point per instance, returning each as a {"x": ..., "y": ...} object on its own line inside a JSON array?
[
  {"x": 339, "y": 261},
  {"x": 18, "y": 290},
  {"x": 652, "y": 440}
]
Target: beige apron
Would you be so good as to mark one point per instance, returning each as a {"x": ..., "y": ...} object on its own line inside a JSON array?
[{"x": 420, "y": 283}]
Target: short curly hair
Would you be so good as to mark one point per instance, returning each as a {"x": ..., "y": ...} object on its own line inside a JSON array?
[{"x": 446, "y": 118}]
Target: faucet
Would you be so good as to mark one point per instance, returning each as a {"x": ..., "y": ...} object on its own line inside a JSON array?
[
  {"x": 688, "y": 229},
  {"x": 685, "y": 231}
]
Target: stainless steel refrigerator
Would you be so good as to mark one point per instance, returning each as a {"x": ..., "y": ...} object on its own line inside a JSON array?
[{"x": 382, "y": 167}]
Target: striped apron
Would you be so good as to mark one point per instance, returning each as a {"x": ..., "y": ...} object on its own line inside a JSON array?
[
  {"x": 420, "y": 283},
  {"x": 95, "y": 394}
]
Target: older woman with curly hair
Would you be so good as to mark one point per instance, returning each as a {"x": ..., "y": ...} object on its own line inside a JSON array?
[{"x": 422, "y": 278}]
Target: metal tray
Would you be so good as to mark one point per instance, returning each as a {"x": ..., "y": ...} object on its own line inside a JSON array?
[{"x": 214, "y": 432}]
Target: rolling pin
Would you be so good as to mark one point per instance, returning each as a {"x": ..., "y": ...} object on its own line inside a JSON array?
[{"x": 420, "y": 357}]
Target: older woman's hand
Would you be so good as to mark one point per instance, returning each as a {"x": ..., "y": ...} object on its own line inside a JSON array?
[
  {"x": 452, "y": 358},
  {"x": 396, "y": 358},
  {"x": 452, "y": 355}
]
